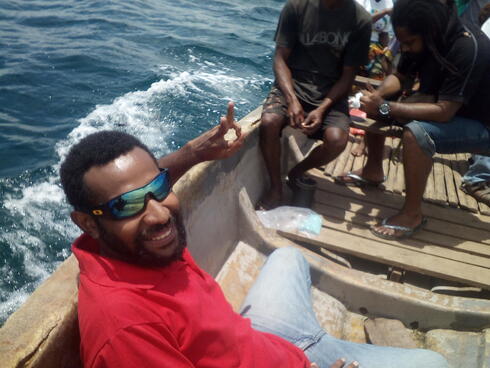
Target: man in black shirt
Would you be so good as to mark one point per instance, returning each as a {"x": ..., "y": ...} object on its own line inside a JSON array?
[
  {"x": 320, "y": 44},
  {"x": 452, "y": 63}
]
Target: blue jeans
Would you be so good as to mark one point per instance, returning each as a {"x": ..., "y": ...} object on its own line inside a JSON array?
[
  {"x": 459, "y": 135},
  {"x": 280, "y": 303},
  {"x": 478, "y": 171}
]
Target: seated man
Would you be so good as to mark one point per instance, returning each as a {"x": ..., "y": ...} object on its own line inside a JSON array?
[
  {"x": 452, "y": 62},
  {"x": 144, "y": 302},
  {"x": 320, "y": 46}
]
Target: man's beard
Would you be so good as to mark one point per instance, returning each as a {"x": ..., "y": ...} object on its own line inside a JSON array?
[{"x": 142, "y": 257}]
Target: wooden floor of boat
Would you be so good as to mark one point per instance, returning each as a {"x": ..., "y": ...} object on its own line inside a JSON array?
[{"x": 454, "y": 245}]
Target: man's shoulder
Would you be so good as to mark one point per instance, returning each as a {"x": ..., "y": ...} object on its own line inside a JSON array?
[
  {"x": 362, "y": 15},
  {"x": 470, "y": 46},
  {"x": 300, "y": 6}
]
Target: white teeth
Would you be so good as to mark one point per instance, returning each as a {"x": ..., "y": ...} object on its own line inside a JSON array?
[{"x": 161, "y": 236}]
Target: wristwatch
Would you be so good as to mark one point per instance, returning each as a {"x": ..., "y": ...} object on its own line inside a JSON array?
[{"x": 385, "y": 110}]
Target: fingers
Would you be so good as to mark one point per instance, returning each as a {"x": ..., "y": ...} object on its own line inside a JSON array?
[
  {"x": 365, "y": 93},
  {"x": 313, "y": 365},
  {"x": 370, "y": 88},
  {"x": 234, "y": 146},
  {"x": 230, "y": 114},
  {"x": 226, "y": 122},
  {"x": 307, "y": 121}
]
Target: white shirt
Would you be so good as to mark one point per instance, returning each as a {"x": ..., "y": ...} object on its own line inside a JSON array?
[
  {"x": 383, "y": 24},
  {"x": 486, "y": 27}
]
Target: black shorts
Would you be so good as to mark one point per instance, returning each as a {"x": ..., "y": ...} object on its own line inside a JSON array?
[{"x": 337, "y": 116}]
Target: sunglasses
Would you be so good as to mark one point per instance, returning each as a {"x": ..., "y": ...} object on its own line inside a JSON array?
[{"x": 134, "y": 202}]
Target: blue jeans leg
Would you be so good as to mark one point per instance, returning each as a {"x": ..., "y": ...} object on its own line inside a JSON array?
[
  {"x": 459, "y": 135},
  {"x": 478, "y": 171},
  {"x": 280, "y": 303}
]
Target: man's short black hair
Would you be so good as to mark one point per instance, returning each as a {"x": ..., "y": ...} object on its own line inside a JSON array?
[{"x": 97, "y": 149}]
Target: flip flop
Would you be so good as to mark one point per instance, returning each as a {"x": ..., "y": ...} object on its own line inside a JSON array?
[
  {"x": 357, "y": 181},
  {"x": 406, "y": 232}
]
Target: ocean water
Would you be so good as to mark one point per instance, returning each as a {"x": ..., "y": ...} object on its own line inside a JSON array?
[{"x": 162, "y": 70}]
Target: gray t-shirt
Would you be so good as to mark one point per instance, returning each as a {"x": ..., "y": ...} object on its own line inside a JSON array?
[{"x": 322, "y": 42}]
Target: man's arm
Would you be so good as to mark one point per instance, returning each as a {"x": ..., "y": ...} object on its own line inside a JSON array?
[
  {"x": 285, "y": 81},
  {"x": 211, "y": 145},
  {"x": 339, "y": 90},
  {"x": 377, "y": 16},
  {"x": 441, "y": 111},
  {"x": 391, "y": 85}
]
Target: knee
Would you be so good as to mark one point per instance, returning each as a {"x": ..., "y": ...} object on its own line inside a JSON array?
[
  {"x": 408, "y": 137},
  {"x": 335, "y": 139},
  {"x": 271, "y": 124},
  {"x": 428, "y": 358}
]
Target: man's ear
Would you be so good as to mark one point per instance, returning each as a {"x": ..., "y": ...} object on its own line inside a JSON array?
[{"x": 85, "y": 222}]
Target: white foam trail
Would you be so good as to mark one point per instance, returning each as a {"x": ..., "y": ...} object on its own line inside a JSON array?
[
  {"x": 41, "y": 206},
  {"x": 14, "y": 301}
]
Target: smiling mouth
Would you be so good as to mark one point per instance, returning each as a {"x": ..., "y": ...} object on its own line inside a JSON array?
[{"x": 162, "y": 237}]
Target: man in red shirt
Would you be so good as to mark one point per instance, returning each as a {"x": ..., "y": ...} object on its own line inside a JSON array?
[{"x": 143, "y": 302}]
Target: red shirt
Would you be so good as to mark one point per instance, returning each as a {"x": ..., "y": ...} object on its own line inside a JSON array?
[{"x": 175, "y": 316}]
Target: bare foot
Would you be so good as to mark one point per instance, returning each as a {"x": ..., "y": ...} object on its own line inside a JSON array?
[{"x": 269, "y": 201}]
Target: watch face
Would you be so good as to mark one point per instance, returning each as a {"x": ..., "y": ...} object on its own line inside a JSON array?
[{"x": 384, "y": 109}]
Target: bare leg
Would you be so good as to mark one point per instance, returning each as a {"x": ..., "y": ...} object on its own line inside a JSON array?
[
  {"x": 270, "y": 145},
  {"x": 334, "y": 142},
  {"x": 360, "y": 149},
  {"x": 373, "y": 170},
  {"x": 417, "y": 166}
]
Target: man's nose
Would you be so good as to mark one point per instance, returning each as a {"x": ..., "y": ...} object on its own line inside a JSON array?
[
  {"x": 404, "y": 48},
  {"x": 156, "y": 212}
]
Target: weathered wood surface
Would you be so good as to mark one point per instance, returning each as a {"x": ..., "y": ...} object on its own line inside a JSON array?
[
  {"x": 455, "y": 244},
  {"x": 443, "y": 184}
]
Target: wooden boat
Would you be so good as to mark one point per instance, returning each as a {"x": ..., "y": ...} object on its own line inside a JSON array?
[{"x": 430, "y": 291}]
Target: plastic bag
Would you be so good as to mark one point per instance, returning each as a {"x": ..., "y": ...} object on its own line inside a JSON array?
[{"x": 291, "y": 219}]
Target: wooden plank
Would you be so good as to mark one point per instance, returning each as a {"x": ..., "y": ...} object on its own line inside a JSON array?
[
  {"x": 342, "y": 160},
  {"x": 408, "y": 259},
  {"x": 363, "y": 81},
  {"x": 387, "y": 155},
  {"x": 330, "y": 167},
  {"x": 429, "y": 192},
  {"x": 399, "y": 186},
  {"x": 350, "y": 158},
  {"x": 452, "y": 197},
  {"x": 439, "y": 185},
  {"x": 457, "y": 236},
  {"x": 376, "y": 196},
  {"x": 358, "y": 224},
  {"x": 457, "y": 180},
  {"x": 484, "y": 209}
]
